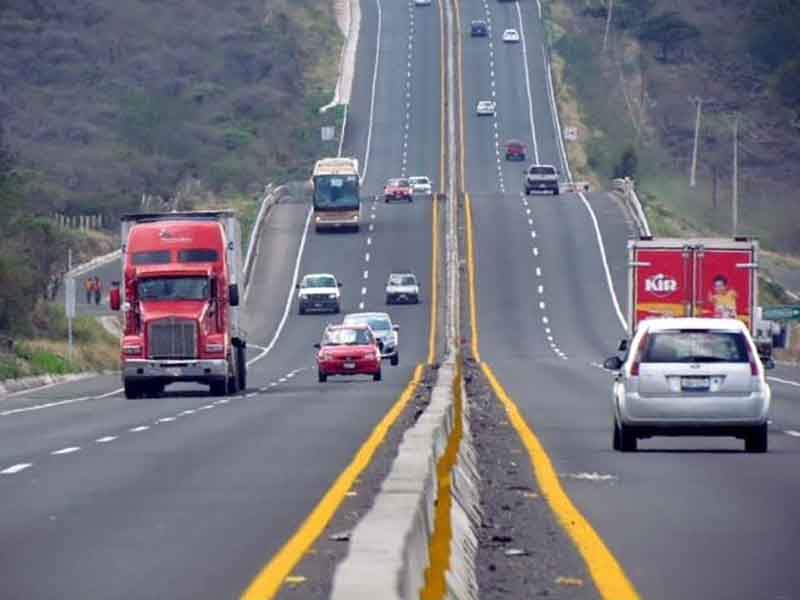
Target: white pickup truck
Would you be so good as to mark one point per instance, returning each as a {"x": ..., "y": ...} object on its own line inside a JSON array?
[{"x": 541, "y": 178}]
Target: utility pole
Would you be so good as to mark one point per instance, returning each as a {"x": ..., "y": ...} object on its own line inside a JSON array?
[
  {"x": 735, "y": 202},
  {"x": 608, "y": 23},
  {"x": 699, "y": 102}
]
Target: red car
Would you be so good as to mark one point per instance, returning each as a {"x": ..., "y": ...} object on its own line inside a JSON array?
[
  {"x": 397, "y": 189},
  {"x": 348, "y": 350},
  {"x": 516, "y": 150}
]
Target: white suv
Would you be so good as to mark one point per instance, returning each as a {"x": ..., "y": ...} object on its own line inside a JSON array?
[
  {"x": 320, "y": 292},
  {"x": 690, "y": 376}
]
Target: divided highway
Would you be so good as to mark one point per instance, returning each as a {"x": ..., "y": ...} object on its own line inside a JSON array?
[
  {"x": 686, "y": 518},
  {"x": 188, "y": 496}
]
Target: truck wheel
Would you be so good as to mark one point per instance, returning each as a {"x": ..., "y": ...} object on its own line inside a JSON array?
[
  {"x": 627, "y": 439},
  {"x": 527, "y": 191},
  {"x": 132, "y": 390},
  {"x": 756, "y": 440},
  {"x": 395, "y": 359},
  {"x": 337, "y": 310},
  {"x": 218, "y": 388},
  {"x": 301, "y": 310},
  {"x": 321, "y": 377},
  {"x": 377, "y": 376},
  {"x": 241, "y": 367},
  {"x": 388, "y": 299},
  {"x": 416, "y": 299},
  {"x": 555, "y": 192}
]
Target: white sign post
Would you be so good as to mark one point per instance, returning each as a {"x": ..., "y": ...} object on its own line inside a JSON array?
[{"x": 328, "y": 133}]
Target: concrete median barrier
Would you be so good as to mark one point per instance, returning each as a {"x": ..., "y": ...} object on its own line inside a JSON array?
[{"x": 390, "y": 547}]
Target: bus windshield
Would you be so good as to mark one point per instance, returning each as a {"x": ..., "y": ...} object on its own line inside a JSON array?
[{"x": 333, "y": 192}]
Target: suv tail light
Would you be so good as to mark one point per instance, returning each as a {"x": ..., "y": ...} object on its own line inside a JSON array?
[{"x": 638, "y": 357}]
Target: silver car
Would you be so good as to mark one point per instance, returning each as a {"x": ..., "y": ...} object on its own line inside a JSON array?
[
  {"x": 690, "y": 377},
  {"x": 385, "y": 332},
  {"x": 421, "y": 184}
]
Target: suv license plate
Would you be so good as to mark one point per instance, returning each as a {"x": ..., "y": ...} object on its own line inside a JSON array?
[
  {"x": 695, "y": 383},
  {"x": 349, "y": 365}
]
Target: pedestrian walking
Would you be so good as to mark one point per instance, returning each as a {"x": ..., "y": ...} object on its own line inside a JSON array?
[
  {"x": 89, "y": 287},
  {"x": 98, "y": 291}
]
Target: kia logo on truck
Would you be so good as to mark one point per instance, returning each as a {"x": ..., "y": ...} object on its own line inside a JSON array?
[{"x": 660, "y": 285}]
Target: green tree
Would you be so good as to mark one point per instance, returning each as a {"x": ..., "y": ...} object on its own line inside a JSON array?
[
  {"x": 628, "y": 161},
  {"x": 670, "y": 31},
  {"x": 786, "y": 84}
]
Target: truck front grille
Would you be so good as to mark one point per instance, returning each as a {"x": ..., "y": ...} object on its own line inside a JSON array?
[{"x": 172, "y": 338}]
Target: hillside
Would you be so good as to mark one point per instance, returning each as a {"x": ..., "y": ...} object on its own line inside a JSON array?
[
  {"x": 739, "y": 57},
  {"x": 102, "y": 102},
  {"x": 106, "y": 101}
]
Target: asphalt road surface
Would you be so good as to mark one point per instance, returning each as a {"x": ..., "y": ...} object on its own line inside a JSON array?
[
  {"x": 188, "y": 496},
  {"x": 687, "y": 518}
]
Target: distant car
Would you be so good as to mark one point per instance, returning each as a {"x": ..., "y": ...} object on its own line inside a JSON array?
[
  {"x": 348, "y": 350},
  {"x": 690, "y": 376},
  {"x": 319, "y": 292},
  {"x": 479, "y": 29},
  {"x": 384, "y": 331},
  {"x": 485, "y": 108},
  {"x": 422, "y": 2},
  {"x": 541, "y": 178},
  {"x": 397, "y": 189},
  {"x": 421, "y": 184},
  {"x": 516, "y": 150},
  {"x": 402, "y": 287},
  {"x": 510, "y": 35}
]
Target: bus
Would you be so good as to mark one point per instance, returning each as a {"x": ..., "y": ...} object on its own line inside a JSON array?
[{"x": 337, "y": 204}]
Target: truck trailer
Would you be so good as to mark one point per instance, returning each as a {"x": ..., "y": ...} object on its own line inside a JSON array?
[
  {"x": 692, "y": 277},
  {"x": 179, "y": 295}
]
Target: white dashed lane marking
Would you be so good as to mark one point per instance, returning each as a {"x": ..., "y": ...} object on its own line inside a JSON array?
[
  {"x": 68, "y": 450},
  {"x": 106, "y": 439},
  {"x": 140, "y": 428},
  {"x": 14, "y": 469},
  {"x": 793, "y": 433}
]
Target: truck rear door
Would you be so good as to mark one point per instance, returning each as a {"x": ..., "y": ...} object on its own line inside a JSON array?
[
  {"x": 661, "y": 283},
  {"x": 724, "y": 283}
]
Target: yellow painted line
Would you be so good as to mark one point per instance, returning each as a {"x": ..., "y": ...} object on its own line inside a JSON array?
[
  {"x": 442, "y": 100},
  {"x": 267, "y": 583},
  {"x": 434, "y": 281},
  {"x": 462, "y": 145},
  {"x": 439, "y": 547},
  {"x": 607, "y": 573},
  {"x": 473, "y": 300}
]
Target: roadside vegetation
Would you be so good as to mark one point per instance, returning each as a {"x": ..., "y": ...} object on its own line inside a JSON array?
[
  {"x": 636, "y": 115},
  {"x": 209, "y": 101}
]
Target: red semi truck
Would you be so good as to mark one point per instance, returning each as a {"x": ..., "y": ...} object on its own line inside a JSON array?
[
  {"x": 180, "y": 298},
  {"x": 692, "y": 278}
]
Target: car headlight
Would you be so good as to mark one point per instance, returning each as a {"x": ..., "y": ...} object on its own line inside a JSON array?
[
  {"x": 370, "y": 356},
  {"x": 332, "y": 296},
  {"x": 215, "y": 348},
  {"x": 132, "y": 349}
]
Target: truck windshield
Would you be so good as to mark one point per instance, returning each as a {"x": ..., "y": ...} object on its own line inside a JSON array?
[
  {"x": 332, "y": 192},
  {"x": 173, "y": 288}
]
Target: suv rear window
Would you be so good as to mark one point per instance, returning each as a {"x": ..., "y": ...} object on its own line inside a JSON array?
[
  {"x": 541, "y": 171},
  {"x": 693, "y": 345}
]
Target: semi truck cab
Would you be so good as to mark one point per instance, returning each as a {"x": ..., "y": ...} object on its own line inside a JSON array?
[{"x": 180, "y": 296}]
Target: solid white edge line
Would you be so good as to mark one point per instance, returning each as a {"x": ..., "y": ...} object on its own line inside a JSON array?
[
  {"x": 374, "y": 85},
  {"x": 528, "y": 83},
  {"x": 605, "y": 261},
  {"x": 290, "y": 297},
  {"x": 784, "y": 381}
]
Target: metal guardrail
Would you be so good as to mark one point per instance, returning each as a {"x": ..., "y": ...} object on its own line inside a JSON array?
[
  {"x": 627, "y": 189},
  {"x": 271, "y": 196}
]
